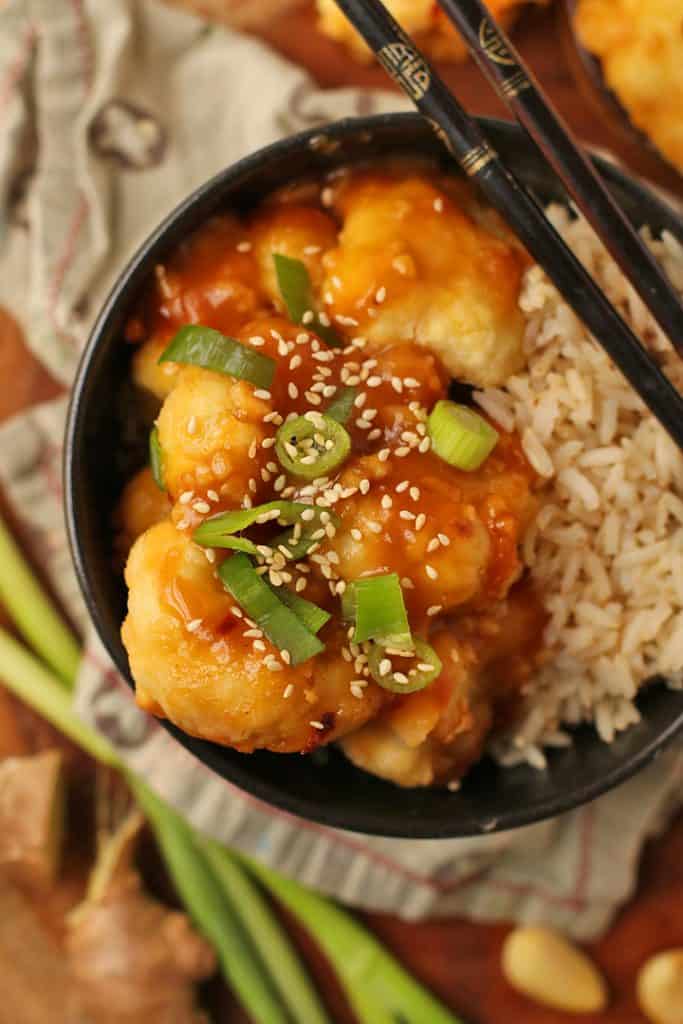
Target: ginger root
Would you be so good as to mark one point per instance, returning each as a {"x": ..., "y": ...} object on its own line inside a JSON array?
[
  {"x": 133, "y": 961},
  {"x": 32, "y": 817}
]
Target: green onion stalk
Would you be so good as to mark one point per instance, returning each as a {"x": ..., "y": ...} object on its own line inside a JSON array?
[{"x": 215, "y": 884}]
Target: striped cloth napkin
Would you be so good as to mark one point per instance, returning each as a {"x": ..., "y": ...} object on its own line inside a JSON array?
[{"x": 110, "y": 113}]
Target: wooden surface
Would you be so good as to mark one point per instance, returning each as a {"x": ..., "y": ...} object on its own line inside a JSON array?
[{"x": 457, "y": 959}]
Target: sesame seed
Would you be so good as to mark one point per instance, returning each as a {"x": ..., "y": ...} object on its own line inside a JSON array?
[
  {"x": 346, "y": 654},
  {"x": 362, "y": 424},
  {"x": 313, "y": 398},
  {"x": 420, "y": 520},
  {"x": 399, "y": 265},
  {"x": 407, "y": 583},
  {"x": 300, "y": 584},
  {"x": 275, "y": 578},
  {"x": 397, "y": 385},
  {"x": 262, "y": 393},
  {"x": 288, "y": 691},
  {"x": 326, "y": 198},
  {"x": 341, "y": 587},
  {"x": 193, "y": 625},
  {"x": 272, "y": 664},
  {"x": 374, "y": 382},
  {"x": 292, "y": 390},
  {"x": 212, "y": 496},
  {"x": 272, "y": 467},
  {"x": 384, "y": 667},
  {"x": 383, "y": 454},
  {"x": 369, "y": 414},
  {"x": 380, "y": 294},
  {"x": 364, "y": 486},
  {"x": 386, "y": 501},
  {"x": 268, "y": 442},
  {"x": 434, "y": 609},
  {"x": 411, "y": 382},
  {"x": 259, "y": 645},
  {"x": 210, "y": 555},
  {"x": 201, "y": 506},
  {"x": 431, "y": 572},
  {"x": 402, "y": 451},
  {"x": 360, "y": 400},
  {"x": 182, "y": 524},
  {"x": 329, "y": 390},
  {"x": 308, "y": 514},
  {"x": 311, "y": 250},
  {"x": 438, "y": 205},
  {"x": 403, "y": 486},
  {"x": 192, "y": 425},
  {"x": 328, "y": 298},
  {"x": 356, "y": 534},
  {"x": 295, "y": 361},
  {"x": 316, "y": 725},
  {"x": 237, "y": 611},
  {"x": 280, "y": 482},
  {"x": 257, "y": 341},
  {"x": 406, "y": 514},
  {"x": 433, "y": 544},
  {"x": 324, "y": 319},
  {"x": 357, "y": 691},
  {"x": 308, "y": 317},
  {"x": 415, "y": 493},
  {"x": 374, "y": 434},
  {"x": 443, "y": 539},
  {"x": 400, "y": 677},
  {"x": 265, "y": 475},
  {"x": 186, "y": 497},
  {"x": 272, "y": 417},
  {"x": 243, "y": 246},
  {"x": 375, "y": 527},
  {"x": 286, "y": 657},
  {"x": 345, "y": 321},
  {"x": 424, "y": 445}
]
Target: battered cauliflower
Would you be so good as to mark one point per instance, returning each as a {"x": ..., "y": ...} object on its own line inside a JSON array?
[
  {"x": 300, "y": 232},
  {"x": 212, "y": 681},
  {"x": 411, "y": 264}
]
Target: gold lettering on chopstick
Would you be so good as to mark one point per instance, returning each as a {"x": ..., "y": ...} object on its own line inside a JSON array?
[
  {"x": 475, "y": 161},
  {"x": 515, "y": 84},
  {"x": 493, "y": 45},
  {"x": 406, "y": 67}
]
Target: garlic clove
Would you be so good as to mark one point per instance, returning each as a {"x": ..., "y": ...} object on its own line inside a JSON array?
[
  {"x": 543, "y": 965},
  {"x": 660, "y": 987}
]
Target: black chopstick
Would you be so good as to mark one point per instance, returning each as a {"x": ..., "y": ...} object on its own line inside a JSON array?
[
  {"x": 503, "y": 66},
  {"x": 464, "y": 139}
]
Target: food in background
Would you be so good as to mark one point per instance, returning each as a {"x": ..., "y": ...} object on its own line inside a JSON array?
[
  {"x": 422, "y": 19},
  {"x": 543, "y": 965},
  {"x": 640, "y": 47}
]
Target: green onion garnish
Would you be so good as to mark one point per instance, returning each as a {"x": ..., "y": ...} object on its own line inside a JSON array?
[
  {"x": 460, "y": 436},
  {"x": 156, "y": 459},
  {"x": 425, "y": 671},
  {"x": 307, "y": 537},
  {"x": 217, "y": 531},
  {"x": 294, "y": 283},
  {"x": 311, "y": 447},
  {"x": 341, "y": 405},
  {"x": 279, "y": 623},
  {"x": 376, "y": 605},
  {"x": 312, "y": 616},
  {"x": 202, "y": 346}
]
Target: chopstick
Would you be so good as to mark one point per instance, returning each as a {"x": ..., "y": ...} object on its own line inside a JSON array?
[
  {"x": 517, "y": 87},
  {"x": 466, "y": 142}
]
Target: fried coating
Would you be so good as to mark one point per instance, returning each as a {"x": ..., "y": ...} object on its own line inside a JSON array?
[
  {"x": 640, "y": 46},
  {"x": 300, "y": 232},
  {"x": 211, "y": 680},
  {"x": 142, "y": 504},
  {"x": 411, "y": 264}
]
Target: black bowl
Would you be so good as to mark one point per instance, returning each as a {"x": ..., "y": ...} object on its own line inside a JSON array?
[{"x": 325, "y": 787}]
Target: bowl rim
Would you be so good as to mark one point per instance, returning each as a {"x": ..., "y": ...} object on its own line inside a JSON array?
[{"x": 240, "y": 776}]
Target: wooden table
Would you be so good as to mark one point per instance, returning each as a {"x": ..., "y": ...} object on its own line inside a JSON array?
[{"x": 457, "y": 959}]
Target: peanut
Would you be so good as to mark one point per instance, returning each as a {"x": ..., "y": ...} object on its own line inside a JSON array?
[
  {"x": 660, "y": 987},
  {"x": 543, "y": 965}
]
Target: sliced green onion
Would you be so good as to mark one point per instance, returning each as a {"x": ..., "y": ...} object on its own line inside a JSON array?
[
  {"x": 425, "y": 671},
  {"x": 237, "y": 544},
  {"x": 156, "y": 459},
  {"x": 294, "y": 283},
  {"x": 202, "y": 346},
  {"x": 216, "y": 532},
  {"x": 341, "y": 405},
  {"x": 280, "y": 624},
  {"x": 313, "y": 447},
  {"x": 313, "y": 617},
  {"x": 460, "y": 436},
  {"x": 376, "y": 603},
  {"x": 307, "y": 537}
]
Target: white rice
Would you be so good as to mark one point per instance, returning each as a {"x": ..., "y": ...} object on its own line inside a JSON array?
[{"x": 607, "y": 546}]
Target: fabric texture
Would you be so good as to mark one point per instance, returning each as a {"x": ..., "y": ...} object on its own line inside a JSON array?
[{"x": 109, "y": 114}]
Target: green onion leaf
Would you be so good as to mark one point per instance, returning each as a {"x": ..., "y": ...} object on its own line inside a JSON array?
[
  {"x": 425, "y": 670},
  {"x": 156, "y": 459},
  {"x": 460, "y": 436},
  {"x": 306, "y": 539},
  {"x": 294, "y": 283},
  {"x": 313, "y": 617},
  {"x": 280, "y": 624},
  {"x": 341, "y": 405},
  {"x": 202, "y": 346},
  {"x": 312, "y": 445},
  {"x": 376, "y": 605},
  {"x": 216, "y": 532}
]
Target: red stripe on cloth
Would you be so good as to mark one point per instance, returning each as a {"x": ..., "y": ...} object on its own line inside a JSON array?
[
  {"x": 86, "y": 47},
  {"x": 17, "y": 68}
]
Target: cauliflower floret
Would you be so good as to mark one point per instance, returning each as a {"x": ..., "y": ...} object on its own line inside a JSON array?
[
  {"x": 142, "y": 504},
  {"x": 412, "y": 265},
  {"x": 208, "y": 426},
  {"x": 211, "y": 680},
  {"x": 300, "y": 232}
]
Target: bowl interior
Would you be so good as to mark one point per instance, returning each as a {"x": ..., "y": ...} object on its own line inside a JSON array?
[{"x": 104, "y": 444}]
